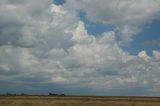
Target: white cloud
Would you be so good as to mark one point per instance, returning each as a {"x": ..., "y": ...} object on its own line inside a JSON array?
[
  {"x": 80, "y": 33},
  {"x": 128, "y": 16},
  {"x": 143, "y": 55},
  {"x": 57, "y": 9},
  {"x": 156, "y": 55}
]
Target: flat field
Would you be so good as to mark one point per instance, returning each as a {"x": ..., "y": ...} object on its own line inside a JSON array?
[{"x": 78, "y": 101}]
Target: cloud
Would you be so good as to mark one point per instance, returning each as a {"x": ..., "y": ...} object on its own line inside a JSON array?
[
  {"x": 143, "y": 55},
  {"x": 156, "y": 55},
  {"x": 45, "y": 44},
  {"x": 127, "y": 16}
]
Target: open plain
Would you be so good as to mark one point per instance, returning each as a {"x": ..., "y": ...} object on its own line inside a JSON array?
[{"x": 77, "y": 101}]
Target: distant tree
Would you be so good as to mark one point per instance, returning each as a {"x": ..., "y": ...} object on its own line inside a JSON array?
[
  {"x": 54, "y": 94},
  {"x": 22, "y": 94},
  {"x": 63, "y": 95},
  {"x": 50, "y": 94},
  {"x": 10, "y": 94}
]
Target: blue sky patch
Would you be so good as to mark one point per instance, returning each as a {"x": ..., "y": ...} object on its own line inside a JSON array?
[
  {"x": 145, "y": 40},
  {"x": 59, "y": 2},
  {"x": 94, "y": 28},
  {"x": 148, "y": 39}
]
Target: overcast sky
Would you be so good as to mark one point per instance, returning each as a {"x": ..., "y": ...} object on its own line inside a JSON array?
[{"x": 80, "y": 47}]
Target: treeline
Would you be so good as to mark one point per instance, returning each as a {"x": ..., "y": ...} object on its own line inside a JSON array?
[
  {"x": 54, "y": 94},
  {"x": 13, "y": 94},
  {"x": 23, "y": 94}
]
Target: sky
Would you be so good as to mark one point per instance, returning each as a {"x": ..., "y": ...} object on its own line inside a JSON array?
[{"x": 80, "y": 47}]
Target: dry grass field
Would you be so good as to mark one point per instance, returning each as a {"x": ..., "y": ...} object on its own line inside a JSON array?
[{"x": 77, "y": 101}]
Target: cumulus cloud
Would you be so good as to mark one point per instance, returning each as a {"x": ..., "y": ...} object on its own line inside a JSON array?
[
  {"x": 42, "y": 43},
  {"x": 156, "y": 55},
  {"x": 143, "y": 55},
  {"x": 128, "y": 16}
]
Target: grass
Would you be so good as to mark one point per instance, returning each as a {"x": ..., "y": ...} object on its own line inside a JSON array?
[{"x": 77, "y": 101}]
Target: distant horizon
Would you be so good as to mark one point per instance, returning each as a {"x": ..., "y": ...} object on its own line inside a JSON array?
[
  {"x": 60, "y": 95},
  {"x": 74, "y": 95}
]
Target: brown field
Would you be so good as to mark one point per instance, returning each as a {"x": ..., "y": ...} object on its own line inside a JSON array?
[{"x": 77, "y": 101}]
